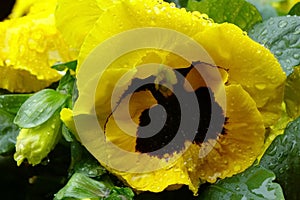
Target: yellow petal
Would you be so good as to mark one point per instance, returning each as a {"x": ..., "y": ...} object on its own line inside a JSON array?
[
  {"x": 66, "y": 115},
  {"x": 76, "y": 26},
  {"x": 242, "y": 141},
  {"x": 28, "y": 47},
  {"x": 125, "y": 15},
  {"x": 249, "y": 64}
]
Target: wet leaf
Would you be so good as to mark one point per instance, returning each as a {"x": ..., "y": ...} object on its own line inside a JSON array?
[
  {"x": 67, "y": 65},
  {"x": 83, "y": 162},
  {"x": 39, "y": 108},
  {"x": 282, "y": 36},
  {"x": 255, "y": 183},
  {"x": 12, "y": 102},
  {"x": 238, "y": 12},
  {"x": 264, "y": 8},
  {"x": 81, "y": 186},
  {"x": 291, "y": 94},
  {"x": 179, "y": 3},
  {"x": 8, "y": 132},
  {"x": 283, "y": 158},
  {"x": 295, "y": 10}
]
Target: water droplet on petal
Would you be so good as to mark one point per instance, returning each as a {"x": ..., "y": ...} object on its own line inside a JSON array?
[{"x": 260, "y": 86}]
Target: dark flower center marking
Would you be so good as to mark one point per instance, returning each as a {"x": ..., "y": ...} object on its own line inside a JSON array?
[{"x": 171, "y": 138}]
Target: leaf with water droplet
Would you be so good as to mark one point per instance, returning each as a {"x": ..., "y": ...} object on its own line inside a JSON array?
[
  {"x": 265, "y": 9},
  {"x": 238, "y": 12},
  {"x": 286, "y": 160},
  {"x": 254, "y": 183},
  {"x": 39, "y": 108},
  {"x": 282, "y": 38},
  {"x": 295, "y": 10},
  {"x": 83, "y": 187},
  {"x": 8, "y": 132},
  {"x": 12, "y": 102},
  {"x": 292, "y": 94}
]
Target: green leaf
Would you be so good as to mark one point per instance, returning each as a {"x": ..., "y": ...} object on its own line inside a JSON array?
[
  {"x": 118, "y": 193},
  {"x": 39, "y": 108},
  {"x": 295, "y": 10},
  {"x": 81, "y": 187},
  {"x": 283, "y": 158},
  {"x": 12, "y": 102},
  {"x": 292, "y": 94},
  {"x": 238, "y": 12},
  {"x": 8, "y": 132},
  {"x": 34, "y": 144},
  {"x": 179, "y": 3},
  {"x": 66, "y": 84},
  {"x": 83, "y": 162},
  {"x": 68, "y": 65},
  {"x": 264, "y": 8},
  {"x": 282, "y": 36},
  {"x": 254, "y": 184}
]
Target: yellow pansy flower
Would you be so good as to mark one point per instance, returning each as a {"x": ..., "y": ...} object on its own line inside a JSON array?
[
  {"x": 30, "y": 45},
  {"x": 250, "y": 75}
]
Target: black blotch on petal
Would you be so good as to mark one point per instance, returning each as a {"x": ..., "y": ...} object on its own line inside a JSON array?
[{"x": 163, "y": 142}]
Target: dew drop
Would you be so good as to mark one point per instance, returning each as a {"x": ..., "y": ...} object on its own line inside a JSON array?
[
  {"x": 271, "y": 22},
  {"x": 237, "y": 188},
  {"x": 282, "y": 24},
  {"x": 265, "y": 32},
  {"x": 281, "y": 170},
  {"x": 278, "y": 53},
  {"x": 297, "y": 30},
  {"x": 260, "y": 86},
  {"x": 296, "y": 55}
]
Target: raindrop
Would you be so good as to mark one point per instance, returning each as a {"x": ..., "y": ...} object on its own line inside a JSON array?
[
  {"x": 296, "y": 55},
  {"x": 281, "y": 170},
  {"x": 278, "y": 53},
  {"x": 273, "y": 151},
  {"x": 53, "y": 126},
  {"x": 265, "y": 32},
  {"x": 260, "y": 86},
  {"x": 282, "y": 24},
  {"x": 237, "y": 188},
  {"x": 271, "y": 22},
  {"x": 297, "y": 30}
]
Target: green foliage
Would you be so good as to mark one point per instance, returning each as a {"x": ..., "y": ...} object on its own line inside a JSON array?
[
  {"x": 255, "y": 183},
  {"x": 282, "y": 36},
  {"x": 295, "y": 10},
  {"x": 238, "y": 12},
  {"x": 283, "y": 158},
  {"x": 67, "y": 65},
  {"x": 39, "y": 108},
  {"x": 8, "y": 132},
  {"x": 292, "y": 94},
  {"x": 12, "y": 102},
  {"x": 81, "y": 186},
  {"x": 264, "y": 8}
]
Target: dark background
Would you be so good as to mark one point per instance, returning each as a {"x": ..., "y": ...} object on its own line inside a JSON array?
[{"x": 5, "y": 8}]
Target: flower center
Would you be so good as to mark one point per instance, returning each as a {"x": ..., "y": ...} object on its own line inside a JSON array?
[{"x": 163, "y": 140}]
